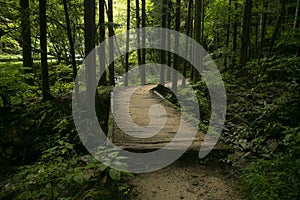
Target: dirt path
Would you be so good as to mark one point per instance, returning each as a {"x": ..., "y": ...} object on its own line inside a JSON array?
[{"x": 187, "y": 178}]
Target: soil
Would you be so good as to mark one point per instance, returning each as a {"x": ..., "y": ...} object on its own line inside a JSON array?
[{"x": 187, "y": 178}]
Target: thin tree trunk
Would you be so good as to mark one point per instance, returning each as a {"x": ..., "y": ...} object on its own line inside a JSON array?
[
  {"x": 169, "y": 62},
  {"x": 188, "y": 29},
  {"x": 102, "y": 40},
  {"x": 277, "y": 25},
  {"x": 197, "y": 35},
  {"x": 202, "y": 23},
  {"x": 143, "y": 73},
  {"x": 245, "y": 32},
  {"x": 26, "y": 35},
  {"x": 43, "y": 45},
  {"x": 111, "y": 68},
  {"x": 262, "y": 29},
  {"x": 127, "y": 44},
  {"x": 234, "y": 37},
  {"x": 164, "y": 7},
  {"x": 191, "y": 47},
  {"x": 296, "y": 28},
  {"x": 176, "y": 46},
  {"x": 227, "y": 34},
  {"x": 138, "y": 21},
  {"x": 256, "y": 37},
  {"x": 296, "y": 17},
  {"x": 70, "y": 38}
]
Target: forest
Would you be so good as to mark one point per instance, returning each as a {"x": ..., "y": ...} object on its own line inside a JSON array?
[{"x": 45, "y": 45}]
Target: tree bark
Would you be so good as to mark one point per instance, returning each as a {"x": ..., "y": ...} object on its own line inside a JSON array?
[
  {"x": 70, "y": 38},
  {"x": 111, "y": 43},
  {"x": 234, "y": 37},
  {"x": 263, "y": 22},
  {"x": 176, "y": 46},
  {"x": 245, "y": 32},
  {"x": 143, "y": 73},
  {"x": 197, "y": 36},
  {"x": 227, "y": 34},
  {"x": 43, "y": 46},
  {"x": 277, "y": 25},
  {"x": 102, "y": 51},
  {"x": 187, "y": 47},
  {"x": 127, "y": 44},
  {"x": 26, "y": 35},
  {"x": 296, "y": 28},
  {"x": 163, "y": 54},
  {"x": 138, "y": 22},
  {"x": 169, "y": 22}
]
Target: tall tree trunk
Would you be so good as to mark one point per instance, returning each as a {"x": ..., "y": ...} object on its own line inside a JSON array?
[
  {"x": 111, "y": 43},
  {"x": 234, "y": 37},
  {"x": 278, "y": 24},
  {"x": 202, "y": 22},
  {"x": 143, "y": 73},
  {"x": 187, "y": 47},
  {"x": 138, "y": 22},
  {"x": 245, "y": 32},
  {"x": 26, "y": 35},
  {"x": 176, "y": 46},
  {"x": 169, "y": 22},
  {"x": 164, "y": 7},
  {"x": 43, "y": 45},
  {"x": 227, "y": 34},
  {"x": 197, "y": 35},
  {"x": 127, "y": 44},
  {"x": 192, "y": 48},
  {"x": 102, "y": 40},
  {"x": 90, "y": 41},
  {"x": 263, "y": 22},
  {"x": 296, "y": 28},
  {"x": 70, "y": 38}
]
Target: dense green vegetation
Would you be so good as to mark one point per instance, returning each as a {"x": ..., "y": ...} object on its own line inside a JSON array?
[{"x": 255, "y": 44}]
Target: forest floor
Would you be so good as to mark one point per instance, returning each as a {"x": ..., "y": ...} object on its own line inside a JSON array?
[{"x": 188, "y": 177}]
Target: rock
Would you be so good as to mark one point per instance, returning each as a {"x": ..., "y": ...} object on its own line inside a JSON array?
[
  {"x": 191, "y": 190},
  {"x": 194, "y": 176},
  {"x": 195, "y": 183}
]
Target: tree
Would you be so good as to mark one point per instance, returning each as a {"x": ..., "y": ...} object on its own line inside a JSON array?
[
  {"x": 102, "y": 40},
  {"x": 26, "y": 35},
  {"x": 277, "y": 24},
  {"x": 263, "y": 22},
  {"x": 245, "y": 32},
  {"x": 138, "y": 21},
  {"x": 164, "y": 8},
  {"x": 169, "y": 23},
  {"x": 111, "y": 33},
  {"x": 127, "y": 43},
  {"x": 188, "y": 30},
  {"x": 227, "y": 32},
  {"x": 234, "y": 36},
  {"x": 197, "y": 35},
  {"x": 143, "y": 73},
  {"x": 89, "y": 38},
  {"x": 296, "y": 27},
  {"x": 43, "y": 46},
  {"x": 176, "y": 46},
  {"x": 70, "y": 38}
]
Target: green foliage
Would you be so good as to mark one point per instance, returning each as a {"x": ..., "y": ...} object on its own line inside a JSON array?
[
  {"x": 272, "y": 179},
  {"x": 263, "y": 120},
  {"x": 63, "y": 174},
  {"x": 13, "y": 84}
]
